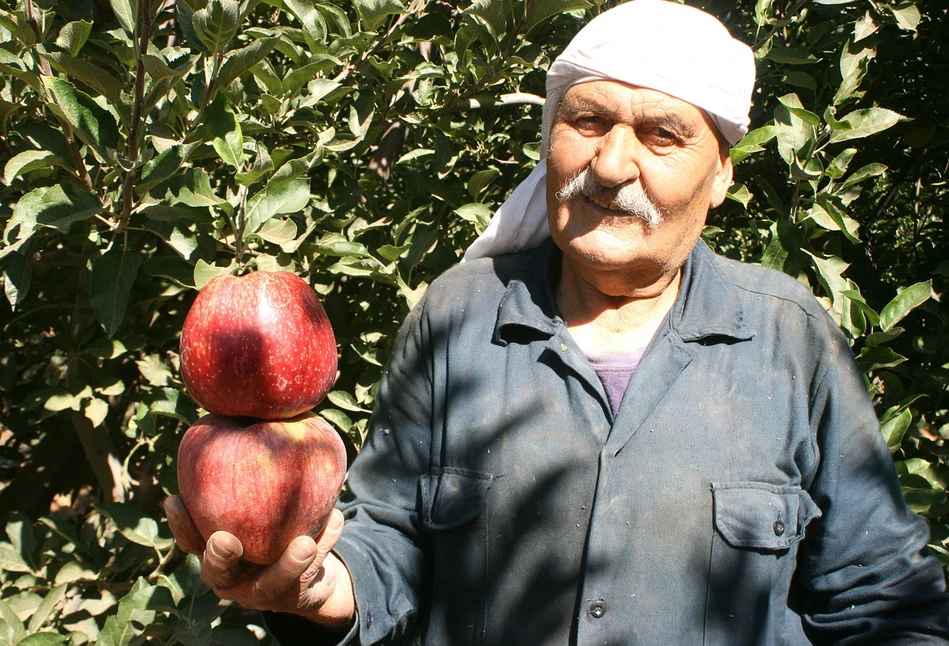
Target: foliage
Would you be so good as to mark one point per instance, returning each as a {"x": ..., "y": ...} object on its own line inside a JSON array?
[{"x": 150, "y": 145}]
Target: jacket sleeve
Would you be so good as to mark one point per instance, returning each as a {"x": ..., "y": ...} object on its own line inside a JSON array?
[{"x": 865, "y": 572}]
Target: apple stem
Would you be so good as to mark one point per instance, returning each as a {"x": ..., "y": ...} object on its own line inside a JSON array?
[{"x": 239, "y": 229}]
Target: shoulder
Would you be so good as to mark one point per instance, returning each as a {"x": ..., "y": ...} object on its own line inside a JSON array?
[
  {"x": 482, "y": 281},
  {"x": 766, "y": 288}
]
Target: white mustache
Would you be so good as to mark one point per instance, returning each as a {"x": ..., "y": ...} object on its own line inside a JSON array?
[{"x": 629, "y": 198}]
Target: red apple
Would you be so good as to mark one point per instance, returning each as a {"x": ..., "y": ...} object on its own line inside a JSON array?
[
  {"x": 266, "y": 482},
  {"x": 258, "y": 345}
]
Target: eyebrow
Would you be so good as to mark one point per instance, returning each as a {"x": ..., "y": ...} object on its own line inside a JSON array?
[{"x": 570, "y": 107}]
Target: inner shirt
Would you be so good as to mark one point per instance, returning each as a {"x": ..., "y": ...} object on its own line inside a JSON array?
[{"x": 615, "y": 369}]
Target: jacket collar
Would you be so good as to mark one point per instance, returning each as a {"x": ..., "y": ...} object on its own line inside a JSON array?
[{"x": 708, "y": 305}]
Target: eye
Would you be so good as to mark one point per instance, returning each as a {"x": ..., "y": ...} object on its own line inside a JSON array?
[
  {"x": 660, "y": 136},
  {"x": 591, "y": 125}
]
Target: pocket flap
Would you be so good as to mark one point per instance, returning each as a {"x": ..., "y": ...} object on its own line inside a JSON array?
[
  {"x": 760, "y": 515},
  {"x": 453, "y": 497}
]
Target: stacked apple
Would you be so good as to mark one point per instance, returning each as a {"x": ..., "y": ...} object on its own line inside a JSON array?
[{"x": 258, "y": 353}]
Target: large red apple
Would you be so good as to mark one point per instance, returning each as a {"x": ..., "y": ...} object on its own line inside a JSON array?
[
  {"x": 266, "y": 482},
  {"x": 258, "y": 345}
]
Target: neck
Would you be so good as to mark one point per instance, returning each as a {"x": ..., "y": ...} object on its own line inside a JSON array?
[{"x": 604, "y": 316}]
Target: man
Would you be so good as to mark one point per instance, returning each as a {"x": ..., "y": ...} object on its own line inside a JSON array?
[{"x": 613, "y": 436}]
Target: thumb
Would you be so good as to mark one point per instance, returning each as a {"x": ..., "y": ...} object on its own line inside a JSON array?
[{"x": 330, "y": 534}]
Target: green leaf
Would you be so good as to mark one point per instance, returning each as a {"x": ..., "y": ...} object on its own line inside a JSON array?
[
  {"x": 17, "y": 277},
  {"x": 135, "y": 525},
  {"x": 184, "y": 12},
  {"x": 103, "y": 81},
  {"x": 96, "y": 410},
  {"x": 240, "y": 60},
  {"x": 228, "y": 141},
  {"x": 136, "y": 611},
  {"x": 74, "y": 35},
  {"x": 27, "y": 161},
  {"x": 863, "y": 123},
  {"x": 216, "y": 24},
  {"x": 43, "y": 639},
  {"x": 479, "y": 214},
  {"x": 45, "y": 610},
  {"x": 878, "y": 356},
  {"x": 906, "y": 14},
  {"x": 372, "y": 13},
  {"x": 12, "y": 629},
  {"x": 94, "y": 125},
  {"x": 175, "y": 405},
  {"x": 126, "y": 11},
  {"x": 312, "y": 20},
  {"x": 286, "y": 192},
  {"x": 113, "y": 274},
  {"x": 543, "y": 10},
  {"x": 894, "y": 427},
  {"x": 904, "y": 303},
  {"x": 346, "y": 401},
  {"x": 50, "y": 207}
]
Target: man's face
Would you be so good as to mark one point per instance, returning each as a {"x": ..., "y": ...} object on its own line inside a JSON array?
[{"x": 633, "y": 143}]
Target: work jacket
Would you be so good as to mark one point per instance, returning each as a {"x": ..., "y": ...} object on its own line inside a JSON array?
[{"x": 741, "y": 495}]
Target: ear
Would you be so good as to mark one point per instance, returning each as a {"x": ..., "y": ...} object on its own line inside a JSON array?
[{"x": 722, "y": 180}]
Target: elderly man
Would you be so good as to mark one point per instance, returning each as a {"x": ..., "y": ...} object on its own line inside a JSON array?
[{"x": 596, "y": 431}]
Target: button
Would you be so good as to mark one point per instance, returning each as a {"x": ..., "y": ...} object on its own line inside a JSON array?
[
  {"x": 597, "y": 609},
  {"x": 778, "y": 528}
]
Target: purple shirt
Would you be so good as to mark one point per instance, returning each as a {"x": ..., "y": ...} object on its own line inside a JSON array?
[{"x": 615, "y": 370}]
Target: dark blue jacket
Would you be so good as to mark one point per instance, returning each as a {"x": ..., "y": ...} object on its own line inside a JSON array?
[{"x": 742, "y": 494}]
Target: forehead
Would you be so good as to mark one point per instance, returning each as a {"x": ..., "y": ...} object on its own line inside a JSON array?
[{"x": 621, "y": 100}]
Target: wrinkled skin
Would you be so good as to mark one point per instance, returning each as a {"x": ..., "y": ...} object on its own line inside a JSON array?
[{"x": 308, "y": 580}]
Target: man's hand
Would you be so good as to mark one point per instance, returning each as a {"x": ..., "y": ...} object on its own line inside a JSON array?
[{"x": 308, "y": 580}]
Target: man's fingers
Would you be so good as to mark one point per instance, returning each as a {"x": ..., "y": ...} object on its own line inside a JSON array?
[
  {"x": 182, "y": 527},
  {"x": 274, "y": 581},
  {"x": 221, "y": 564},
  {"x": 330, "y": 534}
]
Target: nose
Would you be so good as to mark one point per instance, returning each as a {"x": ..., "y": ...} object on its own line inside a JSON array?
[{"x": 615, "y": 160}]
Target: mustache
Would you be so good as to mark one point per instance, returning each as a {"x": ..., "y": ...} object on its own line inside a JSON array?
[{"x": 628, "y": 198}]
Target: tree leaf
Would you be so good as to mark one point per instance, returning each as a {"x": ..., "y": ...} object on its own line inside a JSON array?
[
  {"x": 113, "y": 274},
  {"x": 216, "y": 24},
  {"x": 225, "y": 129},
  {"x": 17, "y": 276},
  {"x": 863, "y": 123},
  {"x": 372, "y": 13},
  {"x": 74, "y": 35},
  {"x": 136, "y": 610},
  {"x": 135, "y": 525},
  {"x": 45, "y": 610},
  {"x": 309, "y": 16},
  {"x": 43, "y": 639},
  {"x": 12, "y": 629},
  {"x": 904, "y": 303},
  {"x": 240, "y": 60},
  {"x": 52, "y": 207},
  {"x": 286, "y": 192},
  {"x": 126, "y": 11},
  {"x": 543, "y": 10},
  {"x": 103, "y": 81},
  {"x": 26, "y": 161},
  {"x": 91, "y": 123}
]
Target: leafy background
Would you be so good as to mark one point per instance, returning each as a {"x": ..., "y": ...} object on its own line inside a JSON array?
[{"x": 149, "y": 145}]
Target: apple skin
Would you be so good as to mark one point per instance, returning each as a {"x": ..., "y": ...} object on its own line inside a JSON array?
[
  {"x": 258, "y": 345},
  {"x": 266, "y": 482}
]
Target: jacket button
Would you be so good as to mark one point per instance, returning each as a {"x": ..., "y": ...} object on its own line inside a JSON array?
[
  {"x": 597, "y": 609},
  {"x": 778, "y": 528}
]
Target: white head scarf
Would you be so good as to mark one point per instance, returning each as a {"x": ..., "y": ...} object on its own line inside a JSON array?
[{"x": 675, "y": 49}]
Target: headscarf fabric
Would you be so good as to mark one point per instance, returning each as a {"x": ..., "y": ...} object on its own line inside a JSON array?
[{"x": 655, "y": 44}]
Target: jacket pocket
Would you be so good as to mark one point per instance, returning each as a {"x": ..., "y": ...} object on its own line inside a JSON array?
[
  {"x": 455, "y": 516},
  {"x": 757, "y": 531},
  {"x": 757, "y": 515},
  {"x": 452, "y": 497}
]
